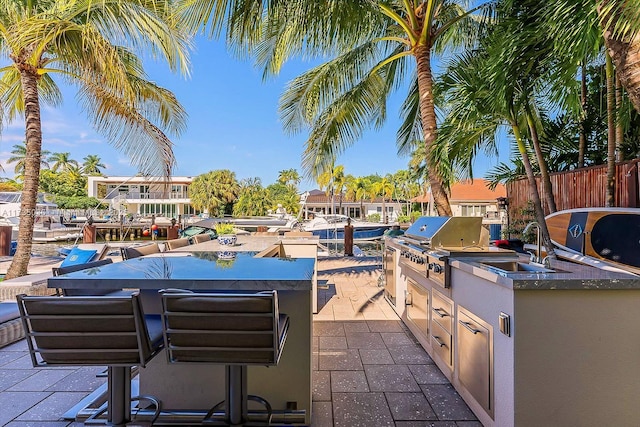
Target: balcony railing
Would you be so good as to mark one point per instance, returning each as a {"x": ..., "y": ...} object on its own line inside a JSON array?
[{"x": 149, "y": 195}]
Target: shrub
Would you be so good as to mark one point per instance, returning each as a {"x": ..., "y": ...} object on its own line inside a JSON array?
[
  {"x": 223, "y": 228},
  {"x": 374, "y": 217}
]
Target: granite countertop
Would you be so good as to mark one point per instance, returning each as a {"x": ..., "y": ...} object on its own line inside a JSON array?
[
  {"x": 196, "y": 270},
  {"x": 565, "y": 275}
]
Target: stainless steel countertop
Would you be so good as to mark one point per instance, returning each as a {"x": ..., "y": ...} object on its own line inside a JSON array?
[{"x": 572, "y": 277}]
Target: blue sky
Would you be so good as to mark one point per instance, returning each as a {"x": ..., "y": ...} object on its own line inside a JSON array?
[{"x": 233, "y": 124}]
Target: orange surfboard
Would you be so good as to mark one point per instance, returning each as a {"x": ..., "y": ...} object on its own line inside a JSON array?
[{"x": 611, "y": 234}]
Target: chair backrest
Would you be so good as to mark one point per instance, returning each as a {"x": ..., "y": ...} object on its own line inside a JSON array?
[
  {"x": 223, "y": 328},
  {"x": 138, "y": 251},
  {"x": 86, "y": 330},
  {"x": 82, "y": 292},
  {"x": 200, "y": 238},
  {"x": 176, "y": 243}
]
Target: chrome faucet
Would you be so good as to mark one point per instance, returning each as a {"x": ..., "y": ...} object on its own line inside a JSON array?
[{"x": 538, "y": 257}]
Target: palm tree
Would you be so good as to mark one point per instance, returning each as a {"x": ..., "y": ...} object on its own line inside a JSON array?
[
  {"x": 384, "y": 188},
  {"x": 215, "y": 191},
  {"x": 92, "y": 164},
  {"x": 19, "y": 156},
  {"x": 373, "y": 42},
  {"x": 289, "y": 177},
  {"x": 358, "y": 189},
  {"x": 91, "y": 45},
  {"x": 62, "y": 161}
]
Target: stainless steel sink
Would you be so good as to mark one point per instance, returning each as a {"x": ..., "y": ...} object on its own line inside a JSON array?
[{"x": 516, "y": 267}]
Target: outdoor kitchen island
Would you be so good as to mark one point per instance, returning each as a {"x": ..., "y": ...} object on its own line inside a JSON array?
[
  {"x": 191, "y": 387},
  {"x": 524, "y": 345}
]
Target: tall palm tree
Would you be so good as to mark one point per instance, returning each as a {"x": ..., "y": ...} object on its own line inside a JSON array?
[
  {"x": 91, "y": 45},
  {"x": 358, "y": 189},
  {"x": 92, "y": 164},
  {"x": 216, "y": 191},
  {"x": 384, "y": 188},
  {"x": 376, "y": 44},
  {"x": 289, "y": 177},
  {"x": 62, "y": 161},
  {"x": 19, "y": 156}
]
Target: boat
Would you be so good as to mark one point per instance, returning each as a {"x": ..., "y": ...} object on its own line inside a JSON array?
[
  {"x": 331, "y": 227},
  {"x": 47, "y": 226},
  {"x": 272, "y": 223},
  {"x": 610, "y": 234}
]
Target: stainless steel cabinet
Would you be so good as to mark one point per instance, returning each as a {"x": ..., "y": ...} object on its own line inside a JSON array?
[
  {"x": 417, "y": 301},
  {"x": 389, "y": 268},
  {"x": 441, "y": 327},
  {"x": 475, "y": 358}
]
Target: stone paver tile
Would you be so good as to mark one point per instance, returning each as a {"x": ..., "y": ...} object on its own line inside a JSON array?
[
  {"x": 315, "y": 343},
  {"x": 324, "y": 317},
  {"x": 361, "y": 410},
  {"x": 350, "y": 327},
  {"x": 321, "y": 386},
  {"x": 410, "y": 354},
  {"x": 349, "y": 382},
  {"x": 390, "y": 378},
  {"x": 14, "y": 404},
  {"x": 374, "y": 315},
  {"x": 20, "y": 345},
  {"x": 385, "y": 326},
  {"x": 426, "y": 424},
  {"x": 9, "y": 356},
  {"x": 328, "y": 329},
  {"x": 348, "y": 316},
  {"x": 339, "y": 360},
  {"x": 322, "y": 415},
  {"x": 42, "y": 380},
  {"x": 395, "y": 339},
  {"x": 38, "y": 424},
  {"x": 314, "y": 361},
  {"x": 468, "y": 424},
  {"x": 368, "y": 340},
  {"x": 332, "y": 343},
  {"x": 409, "y": 406},
  {"x": 23, "y": 362},
  {"x": 376, "y": 357},
  {"x": 447, "y": 403},
  {"x": 53, "y": 407},
  {"x": 81, "y": 380},
  {"x": 428, "y": 374},
  {"x": 10, "y": 377}
]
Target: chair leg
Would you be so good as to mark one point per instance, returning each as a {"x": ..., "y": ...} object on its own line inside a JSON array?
[{"x": 119, "y": 408}]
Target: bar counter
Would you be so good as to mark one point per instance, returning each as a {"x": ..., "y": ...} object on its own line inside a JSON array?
[{"x": 191, "y": 387}]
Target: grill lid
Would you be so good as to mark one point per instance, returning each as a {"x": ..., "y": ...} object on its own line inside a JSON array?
[{"x": 448, "y": 231}]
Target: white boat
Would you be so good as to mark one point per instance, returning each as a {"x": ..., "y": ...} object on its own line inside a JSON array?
[
  {"x": 47, "y": 226},
  {"x": 331, "y": 227}
]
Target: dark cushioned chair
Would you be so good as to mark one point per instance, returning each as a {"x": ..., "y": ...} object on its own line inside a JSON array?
[
  {"x": 85, "y": 331},
  {"x": 235, "y": 330}
]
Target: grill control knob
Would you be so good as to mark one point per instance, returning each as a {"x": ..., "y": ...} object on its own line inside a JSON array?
[
  {"x": 437, "y": 268},
  {"x": 430, "y": 266}
]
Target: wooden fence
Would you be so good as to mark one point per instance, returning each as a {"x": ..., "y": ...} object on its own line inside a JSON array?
[{"x": 581, "y": 188}]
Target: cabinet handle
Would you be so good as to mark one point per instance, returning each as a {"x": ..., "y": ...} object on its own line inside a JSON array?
[
  {"x": 439, "y": 341},
  {"x": 468, "y": 326},
  {"x": 440, "y": 312}
]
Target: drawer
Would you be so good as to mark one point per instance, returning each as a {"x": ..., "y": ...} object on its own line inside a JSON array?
[
  {"x": 441, "y": 343},
  {"x": 442, "y": 310}
]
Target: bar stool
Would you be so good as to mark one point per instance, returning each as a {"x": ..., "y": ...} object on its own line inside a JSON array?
[
  {"x": 94, "y": 331},
  {"x": 232, "y": 329}
]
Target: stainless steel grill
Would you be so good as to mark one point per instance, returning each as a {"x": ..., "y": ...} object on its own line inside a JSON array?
[{"x": 427, "y": 245}]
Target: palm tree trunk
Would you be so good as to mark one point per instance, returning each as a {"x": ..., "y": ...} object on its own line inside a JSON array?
[
  {"x": 544, "y": 170},
  {"x": 625, "y": 54},
  {"x": 619, "y": 130},
  {"x": 537, "y": 202},
  {"x": 428, "y": 116},
  {"x": 33, "y": 138},
  {"x": 611, "y": 135},
  {"x": 582, "y": 147}
]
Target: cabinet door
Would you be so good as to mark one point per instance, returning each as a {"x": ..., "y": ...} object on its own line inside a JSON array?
[
  {"x": 418, "y": 307},
  {"x": 474, "y": 357}
]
